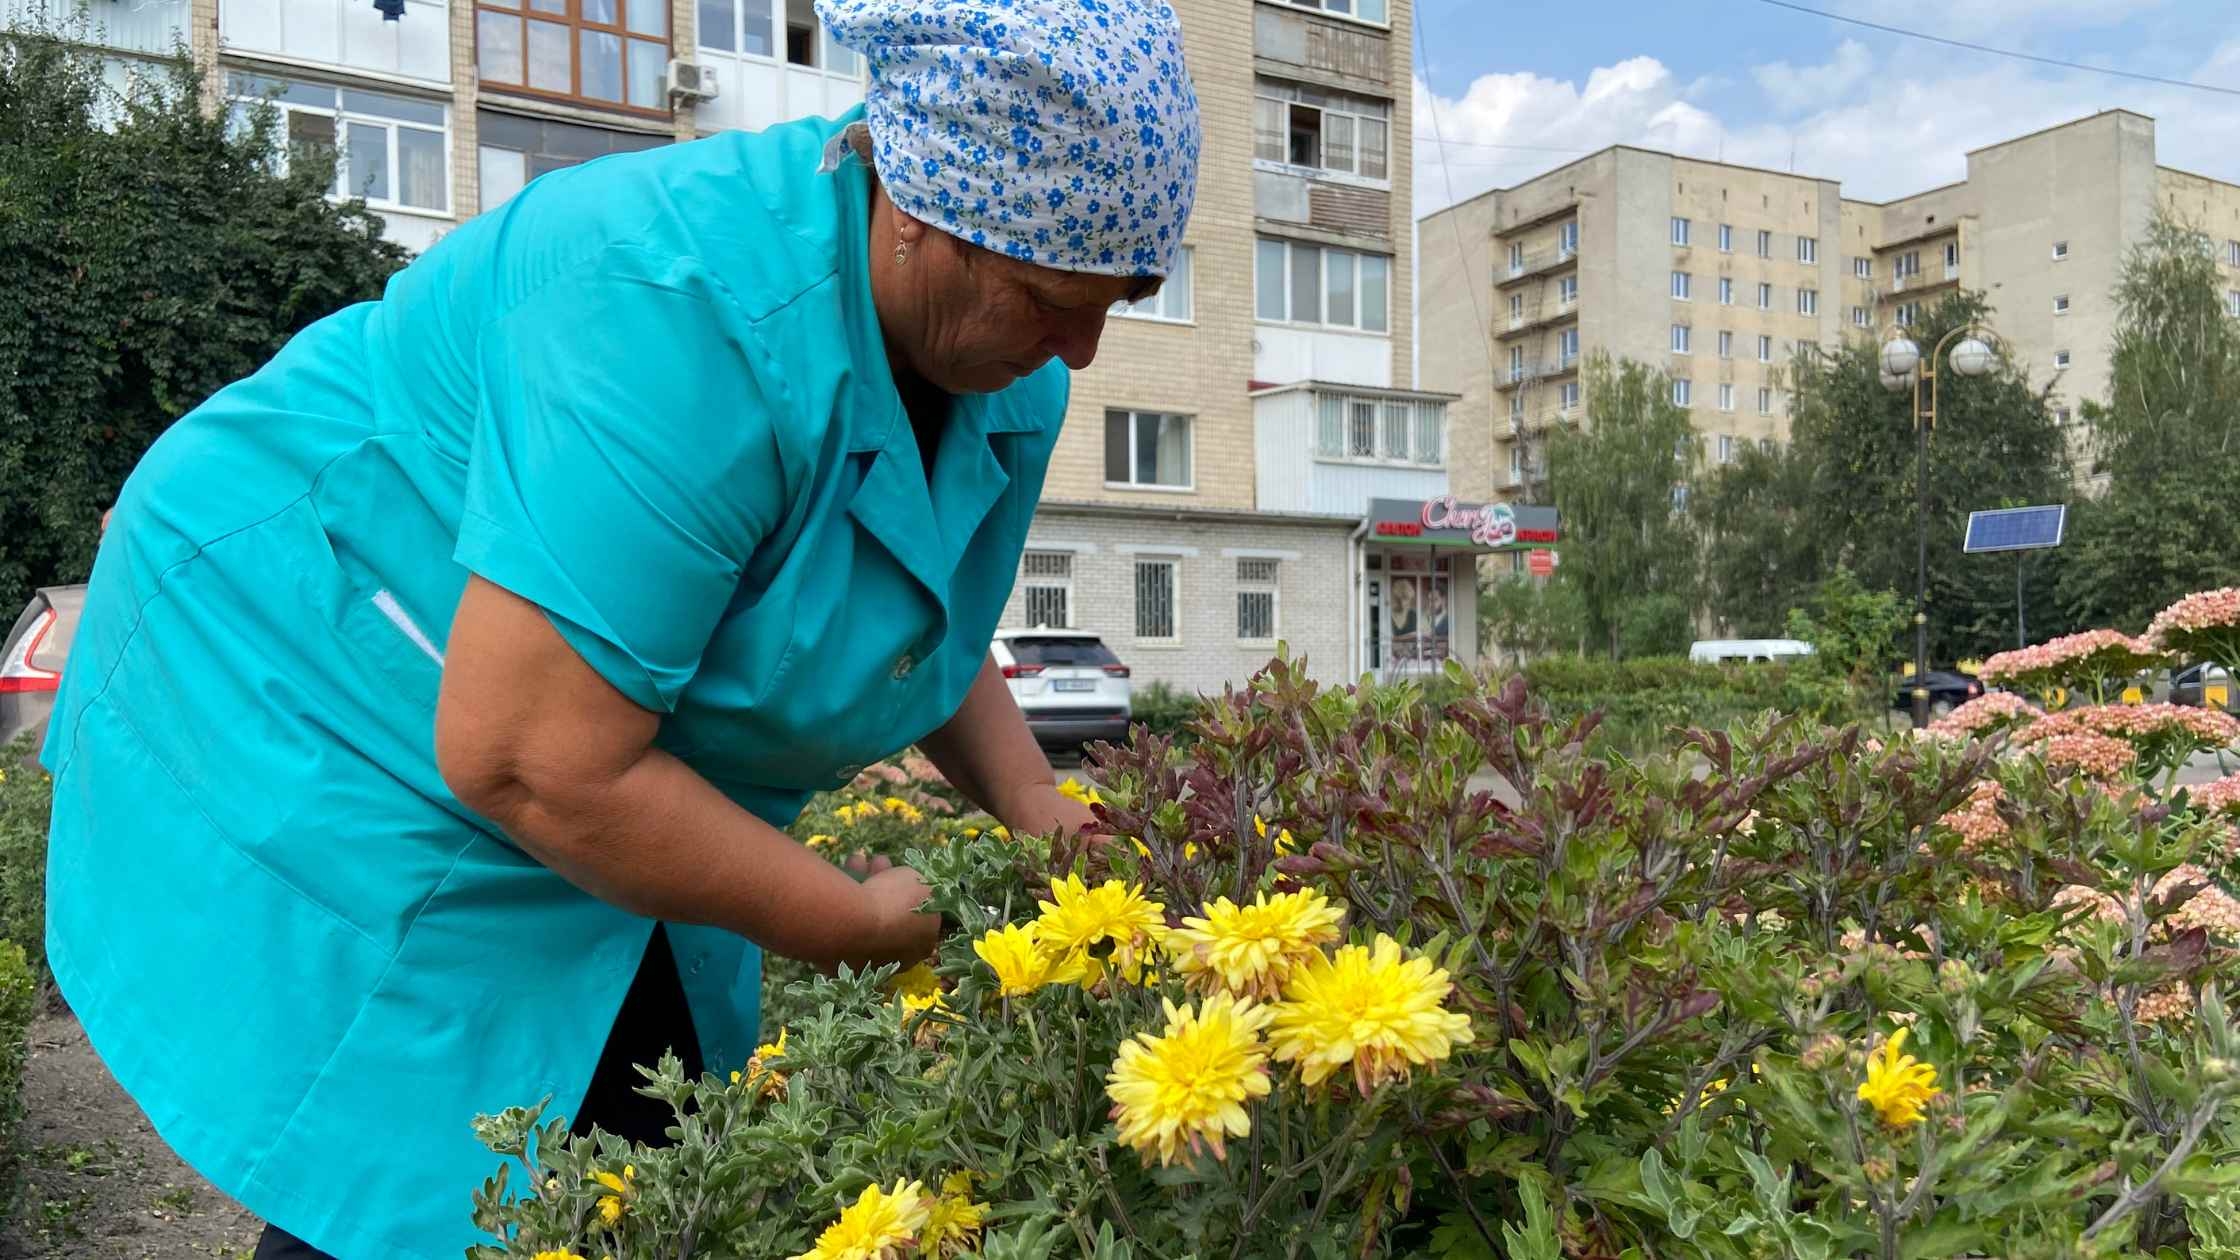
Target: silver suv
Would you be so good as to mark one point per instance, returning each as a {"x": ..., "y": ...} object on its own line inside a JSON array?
[{"x": 1068, "y": 683}]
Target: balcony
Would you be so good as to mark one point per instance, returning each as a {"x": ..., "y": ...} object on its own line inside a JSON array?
[
  {"x": 1329, "y": 449},
  {"x": 1538, "y": 264},
  {"x": 1538, "y": 370},
  {"x": 1534, "y": 321}
]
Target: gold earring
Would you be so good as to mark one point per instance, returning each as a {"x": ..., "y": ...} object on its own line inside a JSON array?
[{"x": 901, "y": 252}]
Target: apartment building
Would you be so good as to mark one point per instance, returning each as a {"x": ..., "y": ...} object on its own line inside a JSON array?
[{"x": 1716, "y": 273}]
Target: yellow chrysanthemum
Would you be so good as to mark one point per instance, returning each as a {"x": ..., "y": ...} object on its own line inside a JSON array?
[
  {"x": 615, "y": 1203},
  {"x": 819, "y": 840},
  {"x": 1010, "y": 952},
  {"x": 1084, "y": 930},
  {"x": 1369, "y": 1007},
  {"x": 917, "y": 982},
  {"x": 1251, "y": 950},
  {"x": 1074, "y": 789},
  {"x": 880, "y": 1224},
  {"x": 904, "y": 810},
  {"x": 556, "y": 1255},
  {"x": 768, "y": 1079},
  {"x": 1186, "y": 1089},
  {"x": 954, "y": 1223},
  {"x": 1898, "y": 1085},
  {"x": 1284, "y": 842}
]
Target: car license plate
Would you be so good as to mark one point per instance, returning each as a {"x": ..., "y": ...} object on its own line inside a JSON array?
[{"x": 1074, "y": 684}]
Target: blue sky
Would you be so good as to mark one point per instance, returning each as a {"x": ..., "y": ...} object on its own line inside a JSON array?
[{"x": 1522, "y": 87}]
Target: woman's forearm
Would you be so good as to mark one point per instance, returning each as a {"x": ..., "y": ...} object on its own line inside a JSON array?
[{"x": 986, "y": 752}]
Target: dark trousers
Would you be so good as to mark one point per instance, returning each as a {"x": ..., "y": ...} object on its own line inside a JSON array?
[{"x": 654, "y": 1020}]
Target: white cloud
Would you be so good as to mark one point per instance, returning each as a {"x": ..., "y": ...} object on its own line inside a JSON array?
[
  {"x": 2002, "y": 23},
  {"x": 1794, "y": 89},
  {"x": 1884, "y": 134}
]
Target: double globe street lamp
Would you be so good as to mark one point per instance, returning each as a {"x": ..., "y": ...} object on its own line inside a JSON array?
[{"x": 1903, "y": 364}]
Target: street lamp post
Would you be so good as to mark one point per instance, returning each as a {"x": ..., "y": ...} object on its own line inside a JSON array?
[{"x": 1902, "y": 363}]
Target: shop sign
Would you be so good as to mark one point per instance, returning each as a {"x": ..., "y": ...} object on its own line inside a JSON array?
[
  {"x": 1444, "y": 521},
  {"x": 1491, "y": 525},
  {"x": 1540, "y": 562}
]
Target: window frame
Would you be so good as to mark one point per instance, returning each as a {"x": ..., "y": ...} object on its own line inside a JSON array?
[
  {"x": 1725, "y": 444},
  {"x": 1765, "y": 243},
  {"x": 243, "y": 93},
  {"x": 1311, "y": 6},
  {"x": 1808, "y": 302},
  {"x": 1567, "y": 397},
  {"x": 2060, "y": 303},
  {"x": 1765, "y": 400},
  {"x": 777, "y": 38},
  {"x": 2061, "y": 251},
  {"x": 1861, "y": 317},
  {"x": 1862, "y": 268},
  {"x": 1285, "y": 95},
  {"x": 1190, "y": 450},
  {"x": 1681, "y": 230},
  {"x": 1567, "y": 289},
  {"x": 1272, "y": 587},
  {"x": 1683, "y": 339},
  {"x": 1172, "y": 563},
  {"x": 1683, "y": 286},
  {"x": 1187, "y": 270},
  {"x": 2061, "y": 358},
  {"x": 1031, "y": 582},
  {"x": 1567, "y": 238},
  {"x": 1726, "y": 398},
  {"x": 1726, "y": 238},
  {"x": 1808, "y": 250},
  {"x": 1726, "y": 290},
  {"x": 1567, "y": 346},
  {"x": 569, "y": 18},
  {"x": 1765, "y": 347},
  {"x": 1683, "y": 391},
  {"x": 1726, "y": 343},
  {"x": 1765, "y": 296},
  {"x": 1326, "y": 252}
]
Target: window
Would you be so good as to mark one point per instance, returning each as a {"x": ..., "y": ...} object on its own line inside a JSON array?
[
  {"x": 1682, "y": 391},
  {"x": 1951, "y": 257},
  {"x": 1765, "y": 444},
  {"x": 1863, "y": 268},
  {"x": 1171, "y": 302},
  {"x": 2061, "y": 304},
  {"x": 1516, "y": 363},
  {"x": 512, "y": 150},
  {"x": 2061, "y": 415},
  {"x": 1765, "y": 244},
  {"x": 1516, "y": 308},
  {"x": 1726, "y": 344},
  {"x": 1860, "y": 318},
  {"x": 1147, "y": 448},
  {"x": 1399, "y": 424},
  {"x": 753, "y": 27},
  {"x": 2060, "y": 250},
  {"x": 1567, "y": 345},
  {"x": 1315, "y": 284},
  {"x": 1516, "y": 406},
  {"x": 1726, "y": 238},
  {"x": 1765, "y": 297},
  {"x": 1361, "y": 427},
  {"x": 1155, "y": 600},
  {"x": 1256, "y": 599},
  {"x": 2232, "y": 302},
  {"x": 1679, "y": 230},
  {"x": 1726, "y": 291},
  {"x": 1046, "y": 588},
  {"x": 1431, "y": 432},
  {"x": 1726, "y": 403},
  {"x": 1567, "y": 238},
  {"x": 1366, "y": 10},
  {"x": 1808, "y": 301},
  {"x": 2232, "y": 253},
  {"x": 1516, "y": 258},
  {"x": 1906, "y": 265},
  {"x": 1765, "y": 401},
  {"x": 1568, "y": 399},
  {"x": 1808, "y": 249},
  {"x": 1726, "y": 446},
  {"x": 2061, "y": 358},
  {"x": 1683, "y": 447},
  {"x": 1680, "y": 339},
  {"x": 1909, "y": 313},
  {"x": 1765, "y": 348},
  {"x": 1516, "y": 464},
  {"x": 1300, "y": 125},
  {"x": 1567, "y": 290},
  {"x": 603, "y": 52},
  {"x": 393, "y": 150},
  {"x": 1683, "y": 284}
]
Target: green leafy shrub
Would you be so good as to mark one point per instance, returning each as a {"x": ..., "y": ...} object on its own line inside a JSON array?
[
  {"x": 26, "y": 798},
  {"x": 19, "y": 1002},
  {"x": 1776, "y": 991},
  {"x": 1644, "y": 699},
  {"x": 1163, "y": 710}
]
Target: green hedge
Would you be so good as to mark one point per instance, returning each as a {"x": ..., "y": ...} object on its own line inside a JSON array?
[
  {"x": 1162, "y": 709},
  {"x": 19, "y": 1001},
  {"x": 25, "y": 799},
  {"x": 1642, "y": 697}
]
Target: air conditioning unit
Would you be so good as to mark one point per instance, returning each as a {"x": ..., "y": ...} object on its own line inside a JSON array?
[{"x": 691, "y": 81}]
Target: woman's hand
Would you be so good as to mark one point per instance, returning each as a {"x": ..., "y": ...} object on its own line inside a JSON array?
[
  {"x": 1041, "y": 809},
  {"x": 903, "y": 933}
]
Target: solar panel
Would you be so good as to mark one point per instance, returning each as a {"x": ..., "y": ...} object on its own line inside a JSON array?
[{"x": 2016, "y": 529}]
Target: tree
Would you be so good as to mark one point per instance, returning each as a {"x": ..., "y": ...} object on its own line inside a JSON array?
[
  {"x": 1845, "y": 492},
  {"x": 2167, "y": 440},
  {"x": 1853, "y": 631},
  {"x": 1612, "y": 480},
  {"x": 147, "y": 258},
  {"x": 1527, "y": 617}
]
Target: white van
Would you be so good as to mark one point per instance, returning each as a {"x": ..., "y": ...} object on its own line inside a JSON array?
[{"x": 1730, "y": 651}]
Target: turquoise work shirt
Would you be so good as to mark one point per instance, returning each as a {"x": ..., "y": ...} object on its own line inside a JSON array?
[{"x": 648, "y": 394}]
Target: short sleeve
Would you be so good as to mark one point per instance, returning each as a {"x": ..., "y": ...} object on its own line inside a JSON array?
[{"x": 623, "y": 469}]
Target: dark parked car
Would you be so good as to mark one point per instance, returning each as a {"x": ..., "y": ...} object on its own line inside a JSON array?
[
  {"x": 2203, "y": 683},
  {"x": 31, "y": 661},
  {"x": 1948, "y": 690}
]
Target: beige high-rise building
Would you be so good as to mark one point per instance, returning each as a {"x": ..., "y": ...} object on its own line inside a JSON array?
[{"x": 1715, "y": 273}]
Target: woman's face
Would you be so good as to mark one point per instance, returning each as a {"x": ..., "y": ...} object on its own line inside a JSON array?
[
  {"x": 969, "y": 321},
  {"x": 1404, "y": 596}
]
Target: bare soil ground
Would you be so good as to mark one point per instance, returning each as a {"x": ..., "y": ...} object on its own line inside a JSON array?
[{"x": 97, "y": 1181}]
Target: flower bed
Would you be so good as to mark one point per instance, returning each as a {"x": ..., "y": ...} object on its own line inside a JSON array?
[
  {"x": 1770, "y": 994},
  {"x": 2094, "y": 662}
]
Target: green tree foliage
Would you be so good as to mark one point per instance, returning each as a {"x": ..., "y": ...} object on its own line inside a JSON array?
[
  {"x": 1853, "y": 631},
  {"x": 2167, "y": 441},
  {"x": 147, "y": 257},
  {"x": 1523, "y": 617},
  {"x": 1632, "y": 558},
  {"x": 1844, "y": 492}
]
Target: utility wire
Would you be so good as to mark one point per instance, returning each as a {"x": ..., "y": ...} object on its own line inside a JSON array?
[
  {"x": 1446, "y": 177},
  {"x": 2003, "y": 52}
]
